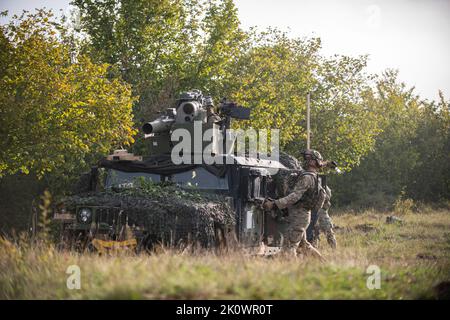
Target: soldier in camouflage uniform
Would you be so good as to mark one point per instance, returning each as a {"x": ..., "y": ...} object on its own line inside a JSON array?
[
  {"x": 307, "y": 195},
  {"x": 212, "y": 116},
  {"x": 324, "y": 223}
]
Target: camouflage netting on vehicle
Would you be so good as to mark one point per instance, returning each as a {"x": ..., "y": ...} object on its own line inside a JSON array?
[
  {"x": 289, "y": 161},
  {"x": 167, "y": 213}
]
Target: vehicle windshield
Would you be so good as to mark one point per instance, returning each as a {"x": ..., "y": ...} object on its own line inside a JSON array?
[
  {"x": 117, "y": 178},
  {"x": 200, "y": 178}
]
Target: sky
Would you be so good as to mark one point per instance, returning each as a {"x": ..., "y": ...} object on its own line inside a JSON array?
[{"x": 409, "y": 35}]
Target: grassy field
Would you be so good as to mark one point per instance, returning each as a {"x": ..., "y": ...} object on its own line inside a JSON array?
[{"x": 414, "y": 259}]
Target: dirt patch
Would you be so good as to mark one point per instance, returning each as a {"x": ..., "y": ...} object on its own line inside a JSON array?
[
  {"x": 366, "y": 227},
  {"x": 424, "y": 256},
  {"x": 340, "y": 229}
]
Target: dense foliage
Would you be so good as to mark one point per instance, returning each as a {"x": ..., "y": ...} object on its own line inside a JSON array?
[
  {"x": 411, "y": 155},
  {"x": 56, "y": 114},
  {"x": 164, "y": 47},
  {"x": 72, "y": 89}
]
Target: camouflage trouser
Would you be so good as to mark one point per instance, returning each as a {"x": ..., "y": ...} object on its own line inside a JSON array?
[
  {"x": 298, "y": 221},
  {"x": 324, "y": 224}
]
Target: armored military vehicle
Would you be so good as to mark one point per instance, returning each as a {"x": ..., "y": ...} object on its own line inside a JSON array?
[{"x": 141, "y": 202}]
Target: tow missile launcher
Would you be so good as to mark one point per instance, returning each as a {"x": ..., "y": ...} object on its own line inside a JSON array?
[{"x": 193, "y": 109}]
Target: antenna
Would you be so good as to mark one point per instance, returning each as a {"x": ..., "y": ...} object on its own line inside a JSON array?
[{"x": 308, "y": 120}]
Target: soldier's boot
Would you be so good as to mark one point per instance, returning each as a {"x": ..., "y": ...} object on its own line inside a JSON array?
[
  {"x": 331, "y": 239},
  {"x": 288, "y": 252},
  {"x": 289, "y": 249},
  {"x": 308, "y": 249},
  {"x": 293, "y": 252}
]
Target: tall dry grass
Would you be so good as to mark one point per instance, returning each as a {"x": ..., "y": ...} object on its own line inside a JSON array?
[{"x": 413, "y": 256}]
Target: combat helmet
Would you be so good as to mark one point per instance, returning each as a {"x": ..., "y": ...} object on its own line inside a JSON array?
[{"x": 311, "y": 154}]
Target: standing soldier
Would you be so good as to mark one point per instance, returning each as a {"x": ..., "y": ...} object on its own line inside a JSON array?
[
  {"x": 324, "y": 223},
  {"x": 306, "y": 196},
  {"x": 211, "y": 112}
]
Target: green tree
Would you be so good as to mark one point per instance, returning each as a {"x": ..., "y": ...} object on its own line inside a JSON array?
[
  {"x": 410, "y": 155},
  {"x": 344, "y": 127},
  {"x": 55, "y": 115},
  {"x": 219, "y": 46},
  {"x": 162, "y": 47},
  {"x": 274, "y": 75},
  {"x": 430, "y": 178}
]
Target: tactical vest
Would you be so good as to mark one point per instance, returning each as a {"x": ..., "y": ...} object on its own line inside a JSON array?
[{"x": 311, "y": 196}]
